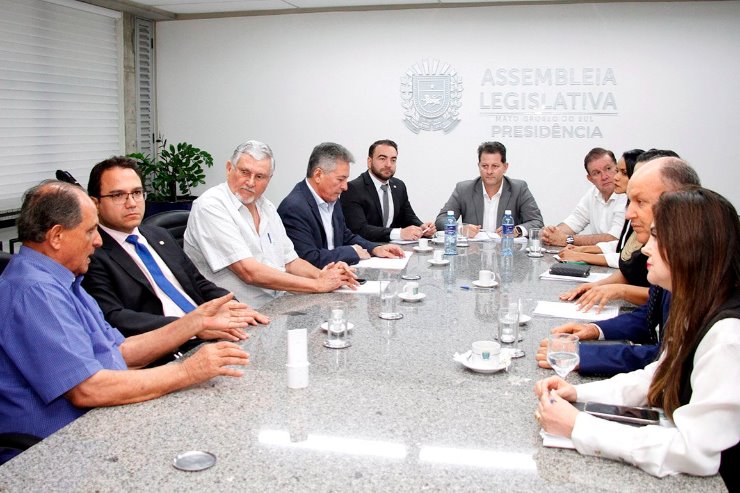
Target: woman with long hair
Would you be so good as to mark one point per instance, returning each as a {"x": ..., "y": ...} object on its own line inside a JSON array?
[{"x": 692, "y": 252}]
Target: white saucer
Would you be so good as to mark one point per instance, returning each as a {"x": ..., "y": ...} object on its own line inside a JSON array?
[
  {"x": 438, "y": 241},
  {"x": 412, "y": 297},
  {"x": 417, "y": 248},
  {"x": 444, "y": 261},
  {"x": 480, "y": 284},
  {"x": 523, "y": 319},
  {"x": 465, "y": 359},
  {"x": 325, "y": 326}
]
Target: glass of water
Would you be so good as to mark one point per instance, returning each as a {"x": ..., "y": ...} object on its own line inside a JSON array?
[
  {"x": 535, "y": 245},
  {"x": 508, "y": 324},
  {"x": 562, "y": 353},
  {"x": 337, "y": 326},
  {"x": 389, "y": 288}
]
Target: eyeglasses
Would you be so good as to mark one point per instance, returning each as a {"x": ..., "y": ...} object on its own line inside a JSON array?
[
  {"x": 248, "y": 173},
  {"x": 119, "y": 198}
]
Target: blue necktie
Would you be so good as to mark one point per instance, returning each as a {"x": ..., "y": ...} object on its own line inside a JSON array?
[{"x": 158, "y": 276}]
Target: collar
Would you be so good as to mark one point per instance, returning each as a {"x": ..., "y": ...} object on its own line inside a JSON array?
[
  {"x": 120, "y": 236},
  {"x": 319, "y": 201},
  {"x": 49, "y": 265},
  {"x": 236, "y": 203},
  {"x": 597, "y": 194},
  {"x": 376, "y": 181}
]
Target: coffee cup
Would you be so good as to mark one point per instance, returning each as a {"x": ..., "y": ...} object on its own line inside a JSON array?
[
  {"x": 439, "y": 255},
  {"x": 485, "y": 351},
  {"x": 424, "y": 243},
  {"x": 485, "y": 277},
  {"x": 411, "y": 288}
]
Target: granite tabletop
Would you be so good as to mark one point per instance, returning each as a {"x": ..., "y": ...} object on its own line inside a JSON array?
[{"x": 393, "y": 412}]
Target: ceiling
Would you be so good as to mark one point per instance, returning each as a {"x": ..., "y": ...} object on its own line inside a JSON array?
[{"x": 189, "y": 9}]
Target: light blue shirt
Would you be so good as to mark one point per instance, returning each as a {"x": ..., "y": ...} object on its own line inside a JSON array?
[{"x": 52, "y": 338}]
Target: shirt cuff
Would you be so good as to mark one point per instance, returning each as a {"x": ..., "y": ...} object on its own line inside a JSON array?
[
  {"x": 601, "y": 332},
  {"x": 396, "y": 234},
  {"x": 523, "y": 231}
]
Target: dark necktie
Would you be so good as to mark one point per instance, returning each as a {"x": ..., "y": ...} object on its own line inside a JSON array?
[
  {"x": 158, "y": 275},
  {"x": 384, "y": 188}
]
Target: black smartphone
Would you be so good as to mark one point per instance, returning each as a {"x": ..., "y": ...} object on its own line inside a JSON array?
[
  {"x": 621, "y": 414},
  {"x": 361, "y": 280}
]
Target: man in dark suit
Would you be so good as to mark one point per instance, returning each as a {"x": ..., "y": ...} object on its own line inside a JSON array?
[
  {"x": 481, "y": 202},
  {"x": 135, "y": 294},
  {"x": 376, "y": 205},
  {"x": 313, "y": 219}
]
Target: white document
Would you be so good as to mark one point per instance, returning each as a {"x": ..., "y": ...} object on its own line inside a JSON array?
[
  {"x": 404, "y": 242},
  {"x": 593, "y": 277},
  {"x": 370, "y": 287},
  {"x": 493, "y": 236},
  {"x": 556, "y": 441},
  {"x": 570, "y": 310},
  {"x": 385, "y": 263}
]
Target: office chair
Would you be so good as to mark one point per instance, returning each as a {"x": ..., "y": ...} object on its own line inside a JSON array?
[
  {"x": 173, "y": 221},
  {"x": 4, "y": 259}
]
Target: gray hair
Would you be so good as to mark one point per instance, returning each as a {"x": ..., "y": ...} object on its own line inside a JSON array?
[
  {"x": 325, "y": 156},
  {"x": 47, "y": 204},
  {"x": 256, "y": 149},
  {"x": 678, "y": 174}
]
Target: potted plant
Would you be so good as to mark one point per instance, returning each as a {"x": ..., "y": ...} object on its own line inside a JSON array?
[{"x": 171, "y": 175}]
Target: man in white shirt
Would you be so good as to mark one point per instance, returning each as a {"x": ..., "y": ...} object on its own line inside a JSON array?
[
  {"x": 600, "y": 209},
  {"x": 236, "y": 239}
]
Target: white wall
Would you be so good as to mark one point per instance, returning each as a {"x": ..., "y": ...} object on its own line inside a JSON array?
[{"x": 296, "y": 80}]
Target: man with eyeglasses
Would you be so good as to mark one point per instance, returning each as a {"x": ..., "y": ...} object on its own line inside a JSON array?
[
  {"x": 140, "y": 276},
  {"x": 600, "y": 209},
  {"x": 482, "y": 202},
  {"x": 237, "y": 240}
]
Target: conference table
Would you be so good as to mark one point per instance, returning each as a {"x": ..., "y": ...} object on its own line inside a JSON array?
[{"x": 393, "y": 412}]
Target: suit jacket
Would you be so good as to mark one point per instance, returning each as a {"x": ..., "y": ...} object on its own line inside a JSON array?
[
  {"x": 302, "y": 221},
  {"x": 364, "y": 214},
  {"x": 123, "y": 292},
  {"x": 637, "y": 326},
  {"x": 467, "y": 201}
]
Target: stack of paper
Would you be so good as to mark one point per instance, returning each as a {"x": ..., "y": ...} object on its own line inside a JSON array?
[{"x": 570, "y": 310}]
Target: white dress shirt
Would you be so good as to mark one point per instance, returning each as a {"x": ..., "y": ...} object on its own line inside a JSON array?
[
  {"x": 326, "y": 209},
  {"x": 169, "y": 307},
  {"x": 490, "y": 209},
  {"x": 598, "y": 215},
  {"x": 221, "y": 231},
  {"x": 708, "y": 424}
]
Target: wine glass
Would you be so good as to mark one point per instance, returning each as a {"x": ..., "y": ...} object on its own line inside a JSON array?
[{"x": 562, "y": 353}]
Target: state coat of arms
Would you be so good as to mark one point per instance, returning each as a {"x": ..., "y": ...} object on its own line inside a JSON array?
[{"x": 430, "y": 96}]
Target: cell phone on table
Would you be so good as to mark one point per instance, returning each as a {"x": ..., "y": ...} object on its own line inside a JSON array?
[{"x": 638, "y": 416}]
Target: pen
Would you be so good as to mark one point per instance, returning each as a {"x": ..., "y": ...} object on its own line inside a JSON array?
[
  {"x": 269, "y": 237},
  {"x": 464, "y": 287}
]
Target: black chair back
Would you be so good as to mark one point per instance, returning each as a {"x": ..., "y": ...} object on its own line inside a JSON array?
[
  {"x": 4, "y": 259},
  {"x": 174, "y": 221}
]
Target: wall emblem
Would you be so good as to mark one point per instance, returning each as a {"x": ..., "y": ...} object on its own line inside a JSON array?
[{"x": 430, "y": 96}]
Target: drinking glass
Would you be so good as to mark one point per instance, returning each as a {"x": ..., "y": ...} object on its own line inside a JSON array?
[
  {"x": 535, "y": 245},
  {"x": 562, "y": 353},
  {"x": 337, "y": 327},
  {"x": 508, "y": 324},
  {"x": 389, "y": 288},
  {"x": 526, "y": 310}
]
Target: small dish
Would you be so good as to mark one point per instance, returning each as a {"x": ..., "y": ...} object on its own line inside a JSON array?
[
  {"x": 412, "y": 298},
  {"x": 466, "y": 360},
  {"x": 444, "y": 261},
  {"x": 194, "y": 460},
  {"x": 480, "y": 284},
  {"x": 523, "y": 319},
  {"x": 325, "y": 326},
  {"x": 417, "y": 248}
]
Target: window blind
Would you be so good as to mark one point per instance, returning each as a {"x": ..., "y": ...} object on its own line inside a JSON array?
[
  {"x": 145, "y": 117},
  {"x": 60, "y": 92}
]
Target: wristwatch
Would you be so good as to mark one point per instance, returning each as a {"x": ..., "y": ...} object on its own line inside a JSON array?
[{"x": 570, "y": 240}]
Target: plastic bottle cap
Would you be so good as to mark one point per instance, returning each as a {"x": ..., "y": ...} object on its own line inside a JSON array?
[
  {"x": 507, "y": 212},
  {"x": 450, "y": 213}
]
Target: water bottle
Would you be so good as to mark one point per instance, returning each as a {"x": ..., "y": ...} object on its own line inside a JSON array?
[
  {"x": 450, "y": 234},
  {"x": 507, "y": 247},
  {"x": 507, "y": 236}
]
